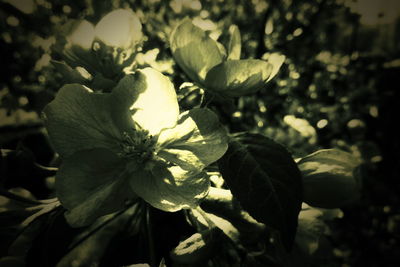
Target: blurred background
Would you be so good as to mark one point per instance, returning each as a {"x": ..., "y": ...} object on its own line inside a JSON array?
[{"x": 337, "y": 88}]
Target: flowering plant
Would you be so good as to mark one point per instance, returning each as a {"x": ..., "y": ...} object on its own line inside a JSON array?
[
  {"x": 131, "y": 144},
  {"x": 128, "y": 143}
]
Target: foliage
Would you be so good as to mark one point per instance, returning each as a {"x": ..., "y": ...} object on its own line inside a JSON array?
[{"x": 193, "y": 133}]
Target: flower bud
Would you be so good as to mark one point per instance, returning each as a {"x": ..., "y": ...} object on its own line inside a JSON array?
[
  {"x": 77, "y": 52},
  {"x": 80, "y": 33},
  {"x": 329, "y": 178},
  {"x": 107, "y": 48},
  {"x": 120, "y": 28},
  {"x": 79, "y": 37}
]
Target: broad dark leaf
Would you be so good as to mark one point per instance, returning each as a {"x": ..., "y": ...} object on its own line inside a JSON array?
[
  {"x": 88, "y": 250},
  {"x": 49, "y": 246},
  {"x": 264, "y": 178}
]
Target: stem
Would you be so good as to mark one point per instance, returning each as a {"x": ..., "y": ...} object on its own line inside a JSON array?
[
  {"x": 10, "y": 195},
  {"x": 207, "y": 98},
  {"x": 149, "y": 231},
  {"x": 203, "y": 214}
]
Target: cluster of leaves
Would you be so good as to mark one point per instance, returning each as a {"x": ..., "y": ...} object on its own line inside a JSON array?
[{"x": 307, "y": 106}]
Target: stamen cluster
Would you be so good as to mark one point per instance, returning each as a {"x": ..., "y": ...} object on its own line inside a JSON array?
[{"x": 138, "y": 145}]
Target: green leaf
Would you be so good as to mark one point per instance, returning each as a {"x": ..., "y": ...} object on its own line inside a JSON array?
[
  {"x": 264, "y": 178},
  {"x": 198, "y": 140},
  {"x": 194, "y": 50},
  {"x": 69, "y": 74},
  {"x": 90, "y": 250},
  {"x": 235, "y": 43},
  {"x": 23, "y": 242},
  {"x": 11, "y": 261},
  {"x": 238, "y": 77},
  {"x": 14, "y": 209},
  {"x": 90, "y": 184}
]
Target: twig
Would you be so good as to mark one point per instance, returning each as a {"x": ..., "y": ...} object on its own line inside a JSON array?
[
  {"x": 10, "y": 195},
  {"x": 149, "y": 231}
]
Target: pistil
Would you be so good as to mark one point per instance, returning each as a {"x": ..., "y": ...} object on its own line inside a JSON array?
[{"x": 138, "y": 145}]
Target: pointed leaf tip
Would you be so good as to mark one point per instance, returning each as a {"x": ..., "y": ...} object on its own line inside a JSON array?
[{"x": 264, "y": 178}]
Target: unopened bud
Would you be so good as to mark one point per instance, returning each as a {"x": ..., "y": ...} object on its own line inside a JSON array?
[
  {"x": 329, "y": 178},
  {"x": 107, "y": 48},
  {"x": 80, "y": 33},
  {"x": 120, "y": 28}
]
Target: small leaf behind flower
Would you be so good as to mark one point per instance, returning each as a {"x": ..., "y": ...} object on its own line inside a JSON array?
[
  {"x": 69, "y": 74},
  {"x": 264, "y": 178}
]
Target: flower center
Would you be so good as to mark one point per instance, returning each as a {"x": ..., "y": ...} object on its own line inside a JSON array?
[{"x": 138, "y": 145}]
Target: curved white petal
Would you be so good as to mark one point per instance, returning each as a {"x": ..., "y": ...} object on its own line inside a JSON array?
[
  {"x": 156, "y": 107},
  {"x": 170, "y": 189},
  {"x": 198, "y": 140},
  {"x": 119, "y": 28},
  {"x": 81, "y": 34}
]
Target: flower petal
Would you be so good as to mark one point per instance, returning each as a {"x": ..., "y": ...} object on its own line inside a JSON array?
[
  {"x": 79, "y": 119},
  {"x": 235, "y": 43},
  {"x": 119, "y": 28},
  {"x": 238, "y": 77},
  {"x": 80, "y": 33},
  {"x": 194, "y": 50},
  {"x": 156, "y": 107},
  {"x": 170, "y": 189},
  {"x": 276, "y": 60},
  {"x": 198, "y": 140},
  {"x": 91, "y": 184}
]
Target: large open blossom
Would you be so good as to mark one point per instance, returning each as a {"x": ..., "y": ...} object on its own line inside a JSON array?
[{"x": 130, "y": 143}]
